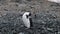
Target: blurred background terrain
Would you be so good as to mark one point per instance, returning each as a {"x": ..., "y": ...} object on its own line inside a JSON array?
[{"x": 46, "y": 21}]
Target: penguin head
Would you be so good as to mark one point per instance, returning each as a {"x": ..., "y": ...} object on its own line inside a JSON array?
[{"x": 27, "y": 14}]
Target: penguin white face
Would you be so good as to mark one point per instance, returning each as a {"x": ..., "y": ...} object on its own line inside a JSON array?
[
  {"x": 27, "y": 14},
  {"x": 26, "y": 19}
]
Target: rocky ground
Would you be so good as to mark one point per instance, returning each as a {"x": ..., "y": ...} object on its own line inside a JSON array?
[{"x": 45, "y": 17}]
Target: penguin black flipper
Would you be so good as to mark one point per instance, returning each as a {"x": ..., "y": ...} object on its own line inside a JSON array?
[{"x": 31, "y": 23}]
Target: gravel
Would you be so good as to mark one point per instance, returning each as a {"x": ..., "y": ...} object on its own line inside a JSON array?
[
  {"x": 42, "y": 24},
  {"x": 45, "y": 17}
]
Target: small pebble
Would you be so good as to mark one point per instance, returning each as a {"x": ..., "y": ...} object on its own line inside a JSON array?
[{"x": 21, "y": 33}]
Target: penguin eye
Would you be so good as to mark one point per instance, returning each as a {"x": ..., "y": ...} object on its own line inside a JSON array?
[{"x": 27, "y": 16}]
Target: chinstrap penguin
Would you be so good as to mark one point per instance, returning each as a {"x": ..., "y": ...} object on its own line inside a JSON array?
[{"x": 27, "y": 19}]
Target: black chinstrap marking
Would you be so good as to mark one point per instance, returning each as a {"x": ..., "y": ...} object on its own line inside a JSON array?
[{"x": 27, "y": 16}]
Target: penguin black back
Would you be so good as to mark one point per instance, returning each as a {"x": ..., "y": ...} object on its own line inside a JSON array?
[{"x": 31, "y": 23}]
